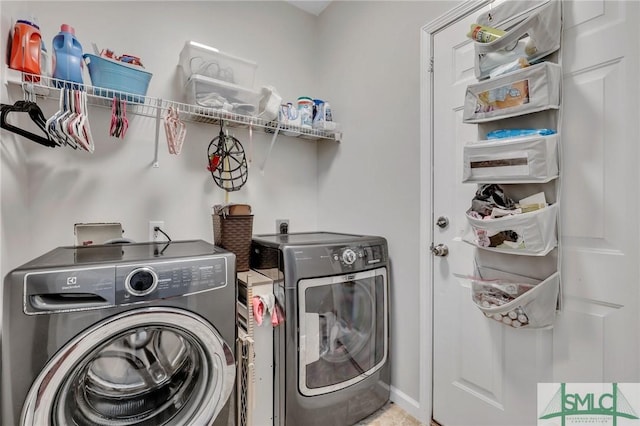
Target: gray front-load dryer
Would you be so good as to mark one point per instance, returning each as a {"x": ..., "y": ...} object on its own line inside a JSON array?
[
  {"x": 332, "y": 352},
  {"x": 123, "y": 334}
]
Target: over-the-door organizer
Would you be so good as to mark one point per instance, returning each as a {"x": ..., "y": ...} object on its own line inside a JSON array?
[{"x": 520, "y": 76}]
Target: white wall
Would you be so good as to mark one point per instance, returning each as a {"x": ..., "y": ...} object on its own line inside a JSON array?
[
  {"x": 117, "y": 183},
  {"x": 370, "y": 183},
  {"x": 13, "y": 185},
  {"x": 361, "y": 56}
]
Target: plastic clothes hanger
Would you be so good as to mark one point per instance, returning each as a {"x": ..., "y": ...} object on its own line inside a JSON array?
[
  {"x": 114, "y": 117},
  {"x": 35, "y": 112},
  {"x": 119, "y": 121},
  {"x": 63, "y": 122},
  {"x": 36, "y": 115},
  {"x": 68, "y": 122},
  {"x": 86, "y": 129},
  {"x": 51, "y": 122},
  {"x": 59, "y": 122},
  {"x": 22, "y": 132},
  {"x": 80, "y": 124},
  {"x": 180, "y": 132},
  {"x": 168, "y": 130},
  {"x": 123, "y": 117},
  {"x": 175, "y": 130},
  {"x": 74, "y": 124},
  {"x": 29, "y": 106}
]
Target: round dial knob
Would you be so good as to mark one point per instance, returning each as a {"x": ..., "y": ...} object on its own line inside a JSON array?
[
  {"x": 349, "y": 256},
  {"x": 141, "y": 281}
]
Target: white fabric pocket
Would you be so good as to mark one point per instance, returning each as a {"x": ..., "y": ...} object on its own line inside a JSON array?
[
  {"x": 533, "y": 31},
  {"x": 532, "y": 89},
  {"x": 519, "y": 160},
  {"x": 515, "y": 300},
  {"x": 532, "y": 233}
]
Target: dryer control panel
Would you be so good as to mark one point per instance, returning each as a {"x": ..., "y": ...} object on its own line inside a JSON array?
[
  {"x": 357, "y": 256},
  {"x": 322, "y": 260}
]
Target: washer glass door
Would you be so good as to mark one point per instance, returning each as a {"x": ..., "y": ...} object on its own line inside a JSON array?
[
  {"x": 152, "y": 366},
  {"x": 343, "y": 334}
]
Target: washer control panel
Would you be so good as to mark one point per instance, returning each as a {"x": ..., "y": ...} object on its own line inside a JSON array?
[
  {"x": 64, "y": 289},
  {"x": 169, "y": 279}
]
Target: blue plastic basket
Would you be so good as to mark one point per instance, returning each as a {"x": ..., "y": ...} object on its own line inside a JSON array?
[{"x": 107, "y": 73}]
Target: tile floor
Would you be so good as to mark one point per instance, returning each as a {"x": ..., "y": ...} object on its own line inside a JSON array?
[{"x": 390, "y": 415}]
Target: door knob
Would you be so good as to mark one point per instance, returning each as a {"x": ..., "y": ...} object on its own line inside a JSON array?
[
  {"x": 442, "y": 222},
  {"x": 440, "y": 250}
]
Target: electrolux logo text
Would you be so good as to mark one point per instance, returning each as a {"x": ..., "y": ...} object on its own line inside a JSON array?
[{"x": 573, "y": 404}]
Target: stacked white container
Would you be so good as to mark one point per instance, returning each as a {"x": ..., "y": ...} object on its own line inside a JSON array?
[{"x": 215, "y": 79}]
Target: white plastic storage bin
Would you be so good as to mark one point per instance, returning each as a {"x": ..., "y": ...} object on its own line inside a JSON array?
[
  {"x": 534, "y": 35},
  {"x": 531, "y": 89},
  {"x": 199, "y": 59},
  {"x": 515, "y": 300},
  {"x": 532, "y": 233},
  {"x": 513, "y": 160},
  {"x": 217, "y": 94}
]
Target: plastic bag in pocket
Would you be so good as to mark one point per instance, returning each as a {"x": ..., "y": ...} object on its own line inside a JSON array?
[
  {"x": 514, "y": 300},
  {"x": 533, "y": 31}
]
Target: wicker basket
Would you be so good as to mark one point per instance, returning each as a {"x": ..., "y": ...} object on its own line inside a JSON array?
[{"x": 233, "y": 233}]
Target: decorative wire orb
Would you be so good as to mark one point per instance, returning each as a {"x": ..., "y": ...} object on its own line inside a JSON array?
[{"x": 227, "y": 162}]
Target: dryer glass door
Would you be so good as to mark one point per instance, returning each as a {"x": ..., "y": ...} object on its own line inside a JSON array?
[
  {"x": 343, "y": 334},
  {"x": 153, "y": 366}
]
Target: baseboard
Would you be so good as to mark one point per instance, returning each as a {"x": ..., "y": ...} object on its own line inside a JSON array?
[{"x": 408, "y": 404}]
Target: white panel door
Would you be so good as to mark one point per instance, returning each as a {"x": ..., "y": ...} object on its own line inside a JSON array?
[{"x": 485, "y": 373}]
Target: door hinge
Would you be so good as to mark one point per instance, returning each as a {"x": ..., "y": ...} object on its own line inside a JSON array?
[{"x": 430, "y": 66}]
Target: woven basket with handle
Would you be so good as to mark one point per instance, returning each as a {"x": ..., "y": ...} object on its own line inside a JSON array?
[{"x": 233, "y": 233}]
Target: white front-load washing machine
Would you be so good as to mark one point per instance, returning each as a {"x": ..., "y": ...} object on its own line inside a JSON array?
[{"x": 123, "y": 334}]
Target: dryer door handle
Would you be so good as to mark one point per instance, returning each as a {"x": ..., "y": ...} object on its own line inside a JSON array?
[{"x": 310, "y": 340}]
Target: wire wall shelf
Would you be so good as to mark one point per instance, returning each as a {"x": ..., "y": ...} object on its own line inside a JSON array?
[
  {"x": 50, "y": 88},
  {"x": 157, "y": 108}
]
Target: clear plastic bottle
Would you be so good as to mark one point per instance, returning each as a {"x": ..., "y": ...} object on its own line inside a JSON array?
[
  {"x": 322, "y": 114},
  {"x": 318, "y": 113},
  {"x": 305, "y": 110}
]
